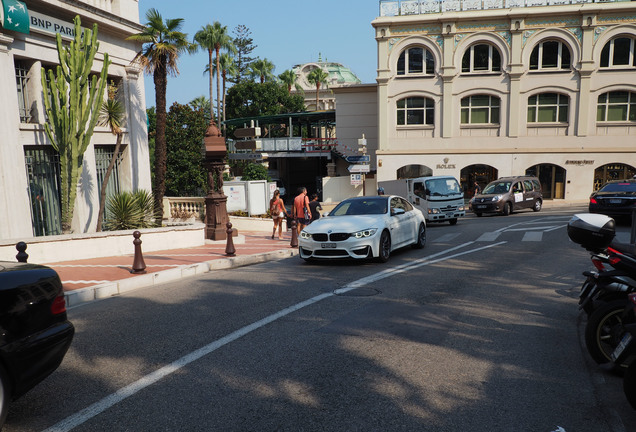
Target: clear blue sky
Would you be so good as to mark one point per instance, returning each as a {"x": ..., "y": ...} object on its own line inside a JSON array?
[{"x": 285, "y": 32}]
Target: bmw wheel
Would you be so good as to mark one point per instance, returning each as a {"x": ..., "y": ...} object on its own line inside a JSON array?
[
  {"x": 385, "y": 247},
  {"x": 420, "y": 241}
]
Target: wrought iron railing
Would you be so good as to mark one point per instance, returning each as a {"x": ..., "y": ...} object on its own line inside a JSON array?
[{"x": 416, "y": 7}]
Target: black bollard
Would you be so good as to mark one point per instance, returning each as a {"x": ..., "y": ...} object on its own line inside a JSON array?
[
  {"x": 139, "y": 266},
  {"x": 229, "y": 246},
  {"x": 22, "y": 256},
  {"x": 294, "y": 238}
]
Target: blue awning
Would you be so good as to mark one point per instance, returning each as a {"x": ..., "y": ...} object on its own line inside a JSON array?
[{"x": 14, "y": 16}]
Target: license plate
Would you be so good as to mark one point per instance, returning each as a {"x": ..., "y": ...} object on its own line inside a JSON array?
[
  {"x": 480, "y": 206},
  {"x": 328, "y": 245},
  {"x": 621, "y": 346},
  {"x": 615, "y": 201}
]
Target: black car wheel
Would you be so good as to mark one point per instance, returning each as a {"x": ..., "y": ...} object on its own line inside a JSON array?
[
  {"x": 537, "y": 205},
  {"x": 507, "y": 209},
  {"x": 478, "y": 214},
  {"x": 453, "y": 221},
  {"x": 5, "y": 396},
  {"x": 421, "y": 237},
  {"x": 604, "y": 330},
  {"x": 385, "y": 247}
]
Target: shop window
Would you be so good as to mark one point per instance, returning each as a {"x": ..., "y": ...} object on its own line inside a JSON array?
[
  {"x": 550, "y": 55},
  {"x": 548, "y": 108},
  {"x": 480, "y": 109},
  {"x": 415, "y": 111},
  {"x": 481, "y": 58},
  {"x": 616, "y": 106},
  {"x": 415, "y": 60},
  {"x": 619, "y": 53}
]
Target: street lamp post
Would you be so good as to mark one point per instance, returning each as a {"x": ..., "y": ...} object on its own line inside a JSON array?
[{"x": 215, "y": 201}]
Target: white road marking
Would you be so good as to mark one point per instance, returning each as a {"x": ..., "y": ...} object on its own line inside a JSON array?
[
  {"x": 533, "y": 236},
  {"x": 99, "y": 407},
  {"x": 446, "y": 238},
  {"x": 488, "y": 237}
]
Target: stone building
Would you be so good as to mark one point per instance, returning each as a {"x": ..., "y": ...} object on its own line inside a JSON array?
[
  {"x": 29, "y": 167},
  {"x": 486, "y": 89}
]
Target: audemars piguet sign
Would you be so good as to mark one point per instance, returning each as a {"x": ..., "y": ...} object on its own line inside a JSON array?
[{"x": 46, "y": 24}]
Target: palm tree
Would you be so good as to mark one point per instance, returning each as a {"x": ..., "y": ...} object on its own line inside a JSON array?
[
  {"x": 213, "y": 38},
  {"x": 228, "y": 66},
  {"x": 163, "y": 43},
  {"x": 201, "y": 102},
  {"x": 289, "y": 78},
  {"x": 113, "y": 115},
  {"x": 317, "y": 77},
  {"x": 263, "y": 69}
]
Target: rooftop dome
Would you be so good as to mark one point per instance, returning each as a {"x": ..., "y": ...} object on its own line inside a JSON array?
[{"x": 339, "y": 75}]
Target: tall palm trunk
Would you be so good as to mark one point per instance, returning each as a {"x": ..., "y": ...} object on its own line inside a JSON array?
[
  {"x": 102, "y": 192},
  {"x": 218, "y": 82},
  {"x": 224, "y": 80},
  {"x": 161, "y": 82},
  {"x": 317, "y": 96},
  {"x": 211, "y": 84}
]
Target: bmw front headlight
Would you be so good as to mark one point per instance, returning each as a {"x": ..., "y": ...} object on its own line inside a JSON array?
[
  {"x": 497, "y": 198},
  {"x": 364, "y": 233},
  {"x": 305, "y": 235}
]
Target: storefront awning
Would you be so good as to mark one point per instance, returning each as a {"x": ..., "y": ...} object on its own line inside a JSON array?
[{"x": 14, "y": 16}]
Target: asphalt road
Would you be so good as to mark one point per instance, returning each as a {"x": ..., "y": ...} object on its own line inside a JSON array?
[{"x": 478, "y": 331}]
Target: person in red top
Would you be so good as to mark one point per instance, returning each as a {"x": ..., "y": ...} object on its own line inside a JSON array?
[{"x": 302, "y": 212}]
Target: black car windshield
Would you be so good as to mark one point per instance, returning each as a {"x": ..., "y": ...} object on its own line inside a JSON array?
[
  {"x": 497, "y": 188},
  {"x": 367, "y": 206},
  {"x": 619, "y": 187}
]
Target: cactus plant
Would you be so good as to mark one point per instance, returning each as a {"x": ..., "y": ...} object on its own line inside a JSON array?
[{"x": 72, "y": 108}]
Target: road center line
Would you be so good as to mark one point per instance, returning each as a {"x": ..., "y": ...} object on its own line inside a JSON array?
[{"x": 99, "y": 407}]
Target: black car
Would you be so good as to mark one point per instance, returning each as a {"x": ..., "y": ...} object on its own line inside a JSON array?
[
  {"x": 34, "y": 330},
  {"x": 616, "y": 198}
]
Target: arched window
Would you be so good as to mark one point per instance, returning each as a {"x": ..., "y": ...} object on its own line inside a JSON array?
[
  {"x": 415, "y": 111},
  {"x": 619, "y": 53},
  {"x": 415, "y": 60},
  {"x": 616, "y": 106},
  {"x": 480, "y": 109},
  {"x": 548, "y": 108},
  {"x": 481, "y": 58},
  {"x": 550, "y": 55}
]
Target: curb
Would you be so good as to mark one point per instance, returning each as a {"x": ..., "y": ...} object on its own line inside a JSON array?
[{"x": 110, "y": 289}]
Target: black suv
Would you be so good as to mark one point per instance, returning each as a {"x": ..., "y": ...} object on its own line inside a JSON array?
[{"x": 507, "y": 195}]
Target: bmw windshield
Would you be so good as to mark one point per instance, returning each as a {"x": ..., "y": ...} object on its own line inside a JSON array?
[{"x": 361, "y": 206}]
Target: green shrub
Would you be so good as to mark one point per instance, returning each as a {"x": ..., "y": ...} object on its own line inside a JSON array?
[{"x": 127, "y": 210}]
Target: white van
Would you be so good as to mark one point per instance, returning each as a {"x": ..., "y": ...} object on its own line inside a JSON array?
[{"x": 439, "y": 197}]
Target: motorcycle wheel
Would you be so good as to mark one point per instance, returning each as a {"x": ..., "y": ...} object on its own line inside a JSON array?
[
  {"x": 629, "y": 384},
  {"x": 604, "y": 329}
]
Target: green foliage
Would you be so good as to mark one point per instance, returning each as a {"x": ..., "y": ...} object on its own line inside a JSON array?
[
  {"x": 249, "y": 99},
  {"x": 128, "y": 210},
  {"x": 185, "y": 130},
  {"x": 244, "y": 47},
  {"x": 255, "y": 171},
  {"x": 262, "y": 69},
  {"x": 72, "y": 108}
]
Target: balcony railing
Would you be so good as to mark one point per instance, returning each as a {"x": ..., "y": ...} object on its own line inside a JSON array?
[
  {"x": 417, "y": 7},
  {"x": 292, "y": 144}
]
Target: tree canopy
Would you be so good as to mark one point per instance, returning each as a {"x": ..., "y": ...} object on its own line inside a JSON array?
[{"x": 250, "y": 99}]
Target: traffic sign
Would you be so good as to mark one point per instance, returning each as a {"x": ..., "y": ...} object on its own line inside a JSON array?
[
  {"x": 359, "y": 158},
  {"x": 356, "y": 179},
  {"x": 358, "y": 168}
]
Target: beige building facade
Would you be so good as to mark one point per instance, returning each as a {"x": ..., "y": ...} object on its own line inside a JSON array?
[
  {"x": 29, "y": 167},
  {"x": 547, "y": 90}
]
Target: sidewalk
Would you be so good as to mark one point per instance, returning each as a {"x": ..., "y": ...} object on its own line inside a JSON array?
[{"x": 97, "y": 278}]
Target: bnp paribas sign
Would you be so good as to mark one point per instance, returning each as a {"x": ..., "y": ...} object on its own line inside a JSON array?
[{"x": 15, "y": 16}]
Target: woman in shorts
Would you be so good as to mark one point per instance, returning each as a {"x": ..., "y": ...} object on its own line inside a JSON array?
[{"x": 277, "y": 210}]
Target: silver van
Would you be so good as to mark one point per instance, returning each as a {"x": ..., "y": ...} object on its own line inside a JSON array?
[{"x": 508, "y": 194}]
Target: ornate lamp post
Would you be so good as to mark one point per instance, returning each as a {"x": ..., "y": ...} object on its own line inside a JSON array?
[{"x": 215, "y": 202}]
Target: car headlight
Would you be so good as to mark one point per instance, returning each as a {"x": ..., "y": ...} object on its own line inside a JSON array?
[
  {"x": 305, "y": 235},
  {"x": 461, "y": 208},
  {"x": 433, "y": 211},
  {"x": 497, "y": 198},
  {"x": 364, "y": 233}
]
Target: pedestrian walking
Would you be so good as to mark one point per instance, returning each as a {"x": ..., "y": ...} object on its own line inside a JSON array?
[
  {"x": 314, "y": 206},
  {"x": 277, "y": 210},
  {"x": 477, "y": 189},
  {"x": 302, "y": 212}
]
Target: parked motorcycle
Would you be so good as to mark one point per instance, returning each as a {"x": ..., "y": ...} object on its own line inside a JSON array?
[
  {"x": 625, "y": 351},
  {"x": 604, "y": 293}
]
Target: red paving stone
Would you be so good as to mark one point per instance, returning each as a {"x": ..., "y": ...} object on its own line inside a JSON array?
[{"x": 89, "y": 272}]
